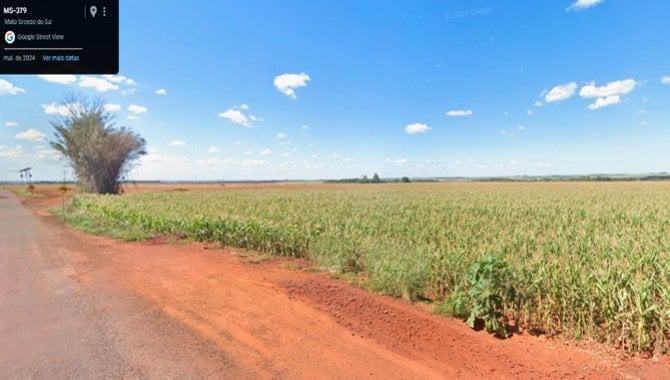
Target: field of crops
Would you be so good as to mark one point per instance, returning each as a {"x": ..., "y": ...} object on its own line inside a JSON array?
[{"x": 583, "y": 260}]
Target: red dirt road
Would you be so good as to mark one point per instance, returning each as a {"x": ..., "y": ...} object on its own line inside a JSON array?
[{"x": 76, "y": 306}]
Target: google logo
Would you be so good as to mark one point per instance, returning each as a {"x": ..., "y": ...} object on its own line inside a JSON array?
[{"x": 10, "y": 37}]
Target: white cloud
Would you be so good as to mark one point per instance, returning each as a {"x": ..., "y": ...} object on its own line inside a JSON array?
[
  {"x": 111, "y": 107},
  {"x": 542, "y": 165},
  {"x": 282, "y": 136},
  {"x": 134, "y": 108},
  {"x": 177, "y": 143},
  {"x": 161, "y": 91},
  {"x": 133, "y": 117},
  {"x": 252, "y": 163},
  {"x": 397, "y": 161},
  {"x": 244, "y": 107},
  {"x": 43, "y": 153},
  {"x": 120, "y": 79},
  {"x": 10, "y": 151},
  {"x": 60, "y": 79},
  {"x": 605, "y": 102},
  {"x": 236, "y": 117},
  {"x": 212, "y": 150},
  {"x": 266, "y": 152},
  {"x": 237, "y": 143},
  {"x": 560, "y": 92},
  {"x": 304, "y": 126},
  {"x": 538, "y": 104},
  {"x": 458, "y": 113},
  {"x": 529, "y": 112},
  {"x": 11, "y": 124},
  {"x": 30, "y": 135},
  {"x": 580, "y": 5},
  {"x": 620, "y": 87},
  {"x": 666, "y": 80},
  {"x": 521, "y": 127},
  {"x": 415, "y": 128},
  {"x": 99, "y": 84},
  {"x": 56, "y": 109},
  {"x": 288, "y": 83},
  {"x": 644, "y": 123},
  {"x": 641, "y": 112},
  {"x": 248, "y": 152},
  {"x": 7, "y": 88}
]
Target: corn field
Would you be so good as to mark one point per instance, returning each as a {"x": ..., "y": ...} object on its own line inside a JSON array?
[{"x": 587, "y": 260}]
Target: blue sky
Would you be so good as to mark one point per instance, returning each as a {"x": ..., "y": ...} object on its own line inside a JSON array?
[{"x": 329, "y": 89}]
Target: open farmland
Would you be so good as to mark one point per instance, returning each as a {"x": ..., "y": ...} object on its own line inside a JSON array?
[{"x": 582, "y": 260}]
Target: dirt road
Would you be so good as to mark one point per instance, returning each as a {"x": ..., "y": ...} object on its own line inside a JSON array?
[{"x": 76, "y": 306}]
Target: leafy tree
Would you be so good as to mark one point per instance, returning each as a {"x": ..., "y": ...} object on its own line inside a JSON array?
[
  {"x": 375, "y": 178},
  {"x": 100, "y": 153},
  {"x": 405, "y": 180}
]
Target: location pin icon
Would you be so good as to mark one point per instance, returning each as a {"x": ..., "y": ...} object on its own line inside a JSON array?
[{"x": 93, "y": 10}]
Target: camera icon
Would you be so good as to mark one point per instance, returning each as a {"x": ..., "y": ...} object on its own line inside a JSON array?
[{"x": 10, "y": 37}]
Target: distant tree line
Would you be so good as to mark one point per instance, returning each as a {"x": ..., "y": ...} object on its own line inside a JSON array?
[{"x": 375, "y": 179}]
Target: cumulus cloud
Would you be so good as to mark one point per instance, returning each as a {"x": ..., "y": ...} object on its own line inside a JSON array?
[
  {"x": 161, "y": 91},
  {"x": 213, "y": 150},
  {"x": 235, "y": 117},
  {"x": 459, "y": 113},
  {"x": 177, "y": 143},
  {"x": 120, "y": 79},
  {"x": 10, "y": 151},
  {"x": 288, "y": 83},
  {"x": 415, "y": 128},
  {"x": 282, "y": 136},
  {"x": 30, "y": 135},
  {"x": 56, "y": 109},
  {"x": 608, "y": 94},
  {"x": 111, "y": 107},
  {"x": 538, "y": 104},
  {"x": 132, "y": 117},
  {"x": 560, "y": 92},
  {"x": 11, "y": 124},
  {"x": 7, "y": 88},
  {"x": 98, "y": 84},
  {"x": 666, "y": 80},
  {"x": 581, "y": 5},
  {"x": 134, "y": 108},
  {"x": 60, "y": 79},
  {"x": 605, "y": 102},
  {"x": 266, "y": 152},
  {"x": 620, "y": 87},
  {"x": 43, "y": 153}
]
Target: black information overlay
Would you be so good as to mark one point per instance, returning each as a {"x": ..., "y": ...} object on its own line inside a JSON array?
[{"x": 59, "y": 37}]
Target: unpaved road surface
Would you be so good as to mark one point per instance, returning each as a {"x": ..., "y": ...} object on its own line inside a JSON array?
[{"x": 76, "y": 306}]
